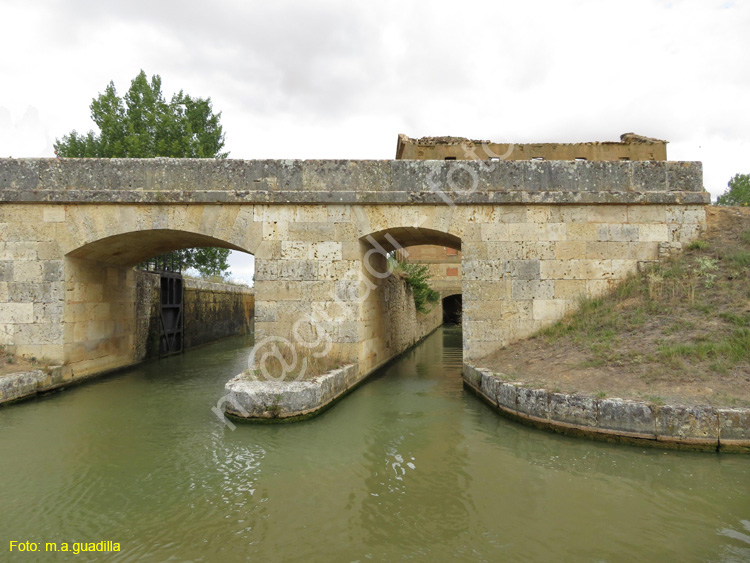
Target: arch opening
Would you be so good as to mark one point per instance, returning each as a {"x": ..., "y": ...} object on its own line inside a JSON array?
[
  {"x": 402, "y": 237},
  {"x": 114, "y": 314},
  {"x": 129, "y": 249},
  {"x": 452, "y": 308},
  {"x": 388, "y": 324}
]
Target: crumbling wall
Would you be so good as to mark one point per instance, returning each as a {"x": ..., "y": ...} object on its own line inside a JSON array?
[{"x": 630, "y": 147}]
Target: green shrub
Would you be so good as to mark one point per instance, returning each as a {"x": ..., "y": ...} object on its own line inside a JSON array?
[{"x": 417, "y": 276}]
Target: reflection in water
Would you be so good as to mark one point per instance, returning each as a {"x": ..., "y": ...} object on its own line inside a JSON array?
[
  {"x": 408, "y": 466},
  {"x": 415, "y": 468}
]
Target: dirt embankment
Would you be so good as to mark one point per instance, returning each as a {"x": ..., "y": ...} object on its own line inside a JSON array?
[
  {"x": 678, "y": 333},
  {"x": 10, "y": 363}
]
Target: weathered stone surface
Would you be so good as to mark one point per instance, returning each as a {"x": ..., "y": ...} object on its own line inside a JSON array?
[
  {"x": 696, "y": 426},
  {"x": 630, "y": 147},
  {"x": 626, "y": 417},
  {"x": 216, "y": 310},
  {"x": 18, "y": 385},
  {"x": 734, "y": 425},
  {"x": 507, "y": 396},
  {"x": 472, "y": 376},
  {"x": 275, "y": 399},
  {"x": 163, "y": 180},
  {"x": 533, "y": 402},
  {"x": 573, "y": 409},
  {"x": 490, "y": 385},
  {"x": 649, "y": 176},
  {"x": 694, "y": 423},
  {"x": 684, "y": 177},
  {"x": 21, "y": 385}
]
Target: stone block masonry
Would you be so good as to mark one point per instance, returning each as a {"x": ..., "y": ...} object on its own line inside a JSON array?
[
  {"x": 392, "y": 325},
  {"x": 216, "y": 310},
  {"x": 533, "y": 236},
  {"x": 687, "y": 427},
  {"x": 106, "y": 334}
]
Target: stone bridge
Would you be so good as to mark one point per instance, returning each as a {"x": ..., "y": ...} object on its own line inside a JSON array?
[{"x": 533, "y": 237}]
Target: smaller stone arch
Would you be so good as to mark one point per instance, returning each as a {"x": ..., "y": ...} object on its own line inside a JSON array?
[
  {"x": 389, "y": 323},
  {"x": 403, "y": 237},
  {"x": 452, "y": 308}
]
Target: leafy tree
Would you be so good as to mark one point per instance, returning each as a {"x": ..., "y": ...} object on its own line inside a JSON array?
[
  {"x": 142, "y": 124},
  {"x": 737, "y": 192},
  {"x": 208, "y": 261}
]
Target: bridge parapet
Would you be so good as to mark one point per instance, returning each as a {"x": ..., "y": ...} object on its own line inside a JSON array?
[{"x": 425, "y": 182}]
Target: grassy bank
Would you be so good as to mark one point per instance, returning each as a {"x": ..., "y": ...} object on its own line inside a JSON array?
[{"x": 677, "y": 332}]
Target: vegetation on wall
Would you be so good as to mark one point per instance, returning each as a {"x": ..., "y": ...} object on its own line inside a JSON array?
[{"x": 417, "y": 277}]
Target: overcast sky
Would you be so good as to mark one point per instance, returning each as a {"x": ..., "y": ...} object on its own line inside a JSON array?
[{"x": 341, "y": 79}]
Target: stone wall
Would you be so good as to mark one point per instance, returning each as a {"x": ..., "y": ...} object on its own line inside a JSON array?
[
  {"x": 390, "y": 324},
  {"x": 443, "y": 263},
  {"x": 148, "y": 310},
  {"x": 389, "y": 321},
  {"x": 630, "y": 147},
  {"x": 216, "y": 310},
  {"x": 695, "y": 427},
  {"x": 212, "y": 311},
  {"x": 99, "y": 320}
]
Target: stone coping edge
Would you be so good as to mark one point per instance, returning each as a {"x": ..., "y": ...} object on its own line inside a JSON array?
[
  {"x": 288, "y": 400},
  {"x": 696, "y": 427},
  {"x": 26, "y": 384},
  {"x": 412, "y": 197}
]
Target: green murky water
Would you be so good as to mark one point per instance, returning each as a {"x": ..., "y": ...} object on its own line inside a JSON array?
[{"x": 408, "y": 467}]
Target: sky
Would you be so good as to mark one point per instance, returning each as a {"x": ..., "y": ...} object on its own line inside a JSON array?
[{"x": 341, "y": 79}]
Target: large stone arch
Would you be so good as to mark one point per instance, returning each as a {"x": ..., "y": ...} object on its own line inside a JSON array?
[
  {"x": 229, "y": 226},
  {"x": 101, "y": 321},
  {"x": 129, "y": 249}
]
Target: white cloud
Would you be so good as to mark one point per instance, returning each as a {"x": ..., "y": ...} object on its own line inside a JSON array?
[
  {"x": 241, "y": 267},
  {"x": 340, "y": 79}
]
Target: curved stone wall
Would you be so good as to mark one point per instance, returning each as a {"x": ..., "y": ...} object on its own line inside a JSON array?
[{"x": 695, "y": 427}]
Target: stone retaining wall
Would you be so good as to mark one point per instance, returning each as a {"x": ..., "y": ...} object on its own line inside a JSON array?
[
  {"x": 212, "y": 311},
  {"x": 288, "y": 399},
  {"x": 392, "y": 324},
  {"x": 694, "y": 427},
  {"x": 216, "y": 310},
  {"x": 389, "y": 321},
  {"x": 16, "y": 386}
]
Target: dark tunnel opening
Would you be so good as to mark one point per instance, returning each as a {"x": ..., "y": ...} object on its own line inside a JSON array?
[{"x": 452, "y": 309}]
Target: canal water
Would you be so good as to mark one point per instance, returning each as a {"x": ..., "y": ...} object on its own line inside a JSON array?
[{"x": 410, "y": 466}]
